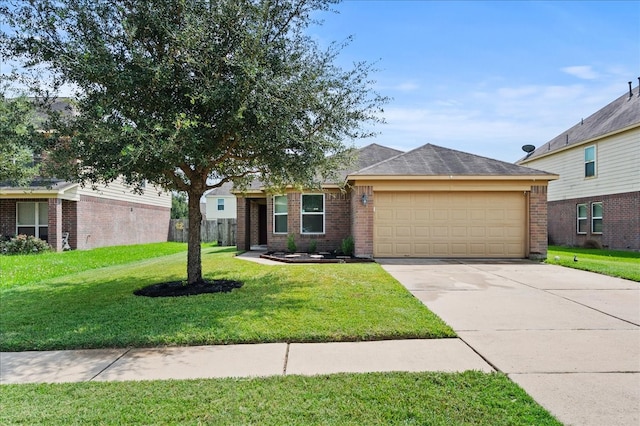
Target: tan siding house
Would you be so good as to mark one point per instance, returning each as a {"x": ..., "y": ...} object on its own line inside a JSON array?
[
  {"x": 597, "y": 197},
  {"x": 105, "y": 216}
]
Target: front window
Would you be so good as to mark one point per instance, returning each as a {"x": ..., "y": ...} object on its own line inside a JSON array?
[
  {"x": 596, "y": 218},
  {"x": 33, "y": 219},
  {"x": 220, "y": 204},
  {"x": 312, "y": 214},
  {"x": 280, "y": 214},
  {"x": 582, "y": 218},
  {"x": 590, "y": 161}
]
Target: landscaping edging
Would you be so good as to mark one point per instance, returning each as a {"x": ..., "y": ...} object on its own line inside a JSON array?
[{"x": 307, "y": 258}]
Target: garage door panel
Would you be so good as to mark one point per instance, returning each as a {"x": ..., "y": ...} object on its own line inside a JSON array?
[{"x": 455, "y": 224}]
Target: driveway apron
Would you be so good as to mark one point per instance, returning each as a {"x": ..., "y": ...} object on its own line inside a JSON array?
[{"x": 570, "y": 338}]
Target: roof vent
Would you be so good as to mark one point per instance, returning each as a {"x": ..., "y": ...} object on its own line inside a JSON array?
[
  {"x": 528, "y": 148},
  {"x": 630, "y": 91}
]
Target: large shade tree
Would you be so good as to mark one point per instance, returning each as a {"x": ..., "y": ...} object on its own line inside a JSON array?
[
  {"x": 17, "y": 138},
  {"x": 190, "y": 94}
]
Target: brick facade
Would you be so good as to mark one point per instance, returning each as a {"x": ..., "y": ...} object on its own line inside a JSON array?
[
  {"x": 362, "y": 220},
  {"x": 538, "y": 222},
  {"x": 337, "y": 215},
  {"x": 95, "y": 222},
  {"x": 620, "y": 221}
]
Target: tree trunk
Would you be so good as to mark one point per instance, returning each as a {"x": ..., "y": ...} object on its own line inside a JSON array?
[{"x": 194, "y": 258}]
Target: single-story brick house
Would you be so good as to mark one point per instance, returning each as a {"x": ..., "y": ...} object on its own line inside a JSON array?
[
  {"x": 428, "y": 202},
  {"x": 110, "y": 215}
]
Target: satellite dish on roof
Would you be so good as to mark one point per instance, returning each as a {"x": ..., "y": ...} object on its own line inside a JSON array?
[{"x": 528, "y": 148}]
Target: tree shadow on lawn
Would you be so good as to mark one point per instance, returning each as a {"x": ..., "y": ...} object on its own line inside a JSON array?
[{"x": 106, "y": 314}]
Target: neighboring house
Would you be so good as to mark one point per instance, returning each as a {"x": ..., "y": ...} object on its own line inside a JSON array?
[
  {"x": 429, "y": 202},
  {"x": 109, "y": 215},
  {"x": 598, "y": 194},
  {"x": 220, "y": 203}
]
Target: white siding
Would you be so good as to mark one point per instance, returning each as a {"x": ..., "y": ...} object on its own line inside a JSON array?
[
  {"x": 617, "y": 168},
  {"x": 117, "y": 190},
  {"x": 229, "y": 211}
]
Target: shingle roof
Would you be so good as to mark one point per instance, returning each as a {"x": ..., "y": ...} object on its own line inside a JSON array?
[
  {"x": 433, "y": 160},
  {"x": 368, "y": 156},
  {"x": 224, "y": 189},
  {"x": 620, "y": 114}
]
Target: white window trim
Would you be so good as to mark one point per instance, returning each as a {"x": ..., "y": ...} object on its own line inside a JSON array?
[
  {"x": 324, "y": 208},
  {"x": 595, "y": 162},
  {"x": 219, "y": 204},
  {"x": 37, "y": 224},
  {"x": 280, "y": 214},
  {"x": 578, "y": 218},
  {"x": 593, "y": 217}
]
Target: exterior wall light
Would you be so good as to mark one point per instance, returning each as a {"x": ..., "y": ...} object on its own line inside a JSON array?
[{"x": 364, "y": 199}]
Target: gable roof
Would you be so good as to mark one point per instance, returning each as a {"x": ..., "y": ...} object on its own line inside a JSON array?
[
  {"x": 224, "y": 189},
  {"x": 621, "y": 114},
  {"x": 433, "y": 160},
  {"x": 368, "y": 156}
]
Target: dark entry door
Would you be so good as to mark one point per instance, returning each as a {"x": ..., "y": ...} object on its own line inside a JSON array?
[{"x": 262, "y": 224}]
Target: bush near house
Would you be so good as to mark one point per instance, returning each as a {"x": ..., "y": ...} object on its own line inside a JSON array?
[{"x": 23, "y": 244}]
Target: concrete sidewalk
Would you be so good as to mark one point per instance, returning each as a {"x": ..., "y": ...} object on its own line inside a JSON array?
[
  {"x": 570, "y": 338},
  {"x": 268, "y": 359}
]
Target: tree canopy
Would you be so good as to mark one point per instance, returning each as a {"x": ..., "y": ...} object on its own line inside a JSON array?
[
  {"x": 184, "y": 93},
  {"x": 17, "y": 132}
]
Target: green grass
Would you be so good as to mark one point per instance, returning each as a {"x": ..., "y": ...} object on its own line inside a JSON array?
[
  {"x": 470, "y": 398},
  {"x": 288, "y": 303},
  {"x": 30, "y": 269},
  {"x": 616, "y": 263}
]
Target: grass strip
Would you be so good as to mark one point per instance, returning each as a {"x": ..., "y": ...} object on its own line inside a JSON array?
[
  {"x": 283, "y": 303},
  {"x": 470, "y": 398},
  {"x": 615, "y": 263},
  {"x": 30, "y": 269}
]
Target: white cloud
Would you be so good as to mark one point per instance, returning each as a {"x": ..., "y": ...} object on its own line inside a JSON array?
[{"x": 584, "y": 72}]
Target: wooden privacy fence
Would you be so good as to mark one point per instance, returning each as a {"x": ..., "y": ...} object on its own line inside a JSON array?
[{"x": 222, "y": 231}]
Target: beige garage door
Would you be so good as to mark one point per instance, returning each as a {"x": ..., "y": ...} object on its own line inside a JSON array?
[{"x": 449, "y": 224}]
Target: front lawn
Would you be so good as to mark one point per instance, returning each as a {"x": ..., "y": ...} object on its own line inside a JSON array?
[
  {"x": 289, "y": 303},
  {"x": 616, "y": 263},
  {"x": 470, "y": 398}
]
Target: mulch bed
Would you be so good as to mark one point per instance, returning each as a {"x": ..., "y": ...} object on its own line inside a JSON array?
[
  {"x": 181, "y": 288},
  {"x": 309, "y": 258}
]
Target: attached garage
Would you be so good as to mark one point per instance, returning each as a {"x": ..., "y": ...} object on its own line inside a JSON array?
[
  {"x": 450, "y": 224},
  {"x": 441, "y": 203}
]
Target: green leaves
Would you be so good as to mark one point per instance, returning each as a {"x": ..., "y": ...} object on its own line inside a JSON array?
[{"x": 18, "y": 165}]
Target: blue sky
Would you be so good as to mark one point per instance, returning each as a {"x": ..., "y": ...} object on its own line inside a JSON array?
[{"x": 488, "y": 77}]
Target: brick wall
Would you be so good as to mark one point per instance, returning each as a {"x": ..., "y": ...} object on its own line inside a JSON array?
[
  {"x": 620, "y": 223},
  {"x": 538, "y": 222},
  {"x": 241, "y": 231},
  {"x": 8, "y": 216},
  {"x": 337, "y": 223},
  {"x": 362, "y": 220},
  {"x": 103, "y": 222}
]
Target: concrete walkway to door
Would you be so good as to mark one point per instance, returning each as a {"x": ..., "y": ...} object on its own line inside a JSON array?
[{"x": 570, "y": 338}]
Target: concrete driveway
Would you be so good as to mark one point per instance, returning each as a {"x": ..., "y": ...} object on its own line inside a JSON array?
[{"x": 570, "y": 338}]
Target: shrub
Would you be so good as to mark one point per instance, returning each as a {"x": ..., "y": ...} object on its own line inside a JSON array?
[
  {"x": 24, "y": 244},
  {"x": 291, "y": 244},
  {"x": 313, "y": 246},
  {"x": 348, "y": 246}
]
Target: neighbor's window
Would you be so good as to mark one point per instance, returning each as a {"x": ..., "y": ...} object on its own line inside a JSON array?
[
  {"x": 312, "y": 213},
  {"x": 280, "y": 214},
  {"x": 590, "y": 161},
  {"x": 582, "y": 218},
  {"x": 33, "y": 219},
  {"x": 596, "y": 218},
  {"x": 220, "y": 204}
]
